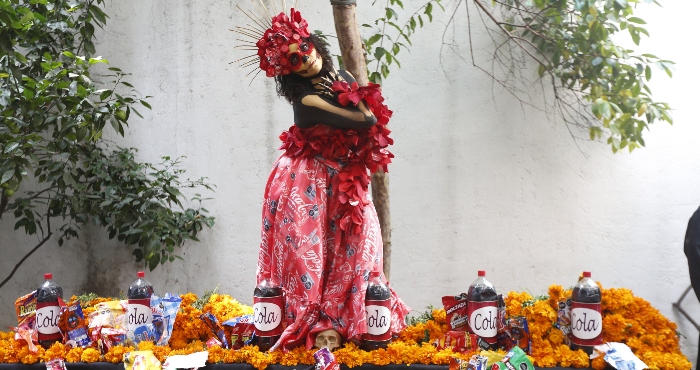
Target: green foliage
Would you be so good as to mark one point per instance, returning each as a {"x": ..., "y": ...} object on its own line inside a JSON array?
[
  {"x": 381, "y": 48},
  {"x": 422, "y": 318},
  {"x": 573, "y": 41},
  {"x": 53, "y": 117}
]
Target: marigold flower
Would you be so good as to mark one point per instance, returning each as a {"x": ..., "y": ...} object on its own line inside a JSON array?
[{"x": 90, "y": 355}]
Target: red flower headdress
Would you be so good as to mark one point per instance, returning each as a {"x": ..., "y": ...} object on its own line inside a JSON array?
[{"x": 271, "y": 37}]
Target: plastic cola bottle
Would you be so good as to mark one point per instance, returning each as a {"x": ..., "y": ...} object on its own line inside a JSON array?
[
  {"x": 48, "y": 312},
  {"x": 268, "y": 305},
  {"x": 586, "y": 315},
  {"x": 482, "y": 309},
  {"x": 139, "y": 305},
  {"x": 377, "y": 313}
]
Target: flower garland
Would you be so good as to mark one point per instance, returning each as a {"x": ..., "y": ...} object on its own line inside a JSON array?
[
  {"x": 626, "y": 318},
  {"x": 357, "y": 150}
]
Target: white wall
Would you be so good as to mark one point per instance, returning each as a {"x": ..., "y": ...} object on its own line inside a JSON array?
[{"x": 478, "y": 182}]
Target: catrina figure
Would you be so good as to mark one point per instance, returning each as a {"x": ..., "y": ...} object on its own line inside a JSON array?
[{"x": 320, "y": 233}]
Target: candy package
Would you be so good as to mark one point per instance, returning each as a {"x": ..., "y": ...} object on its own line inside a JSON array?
[
  {"x": 456, "y": 310},
  {"x": 141, "y": 360},
  {"x": 165, "y": 311},
  {"x": 476, "y": 362},
  {"x": 515, "y": 359},
  {"x": 242, "y": 329},
  {"x": 519, "y": 333},
  {"x": 213, "y": 324},
  {"x": 459, "y": 341},
  {"x": 73, "y": 326}
]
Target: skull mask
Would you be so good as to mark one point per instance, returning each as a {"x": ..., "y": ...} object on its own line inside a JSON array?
[{"x": 330, "y": 339}]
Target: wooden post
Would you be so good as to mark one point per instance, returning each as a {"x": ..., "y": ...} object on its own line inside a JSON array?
[{"x": 354, "y": 62}]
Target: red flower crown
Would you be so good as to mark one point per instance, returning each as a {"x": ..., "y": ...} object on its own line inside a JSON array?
[{"x": 274, "y": 44}]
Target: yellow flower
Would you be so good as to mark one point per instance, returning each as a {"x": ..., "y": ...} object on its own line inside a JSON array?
[
  {"x": 90, "y": 355},
  {"x": 74, "y": 354},
  {"x": 116, "y": 353},
  {"x": 57, "y": 350}
]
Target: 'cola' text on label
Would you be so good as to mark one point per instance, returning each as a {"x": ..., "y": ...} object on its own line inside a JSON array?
[
  {"x": 267, "y": 315},
  {"x": 378, "y": 319},
  {"x": 483, "y": 321},
  {"x": 47, "y": 319},
  {"x": 138, "y": 313},
  {"x": 586, "y": 323}
]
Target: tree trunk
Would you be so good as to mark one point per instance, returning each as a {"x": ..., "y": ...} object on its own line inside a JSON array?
[{"x": 354, "y": 62}]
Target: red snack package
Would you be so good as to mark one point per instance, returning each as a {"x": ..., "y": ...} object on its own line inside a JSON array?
[
  {"x": 459, "y": 341},
  {"x": 242, "y": 329},
  {"x": 25, "y": 307},
  {"x": 456, "y": 309}
]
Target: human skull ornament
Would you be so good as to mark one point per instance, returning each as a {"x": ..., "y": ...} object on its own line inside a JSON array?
[{"x": 330, "y": 339}]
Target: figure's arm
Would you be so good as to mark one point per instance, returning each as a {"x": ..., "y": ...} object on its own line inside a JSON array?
[
  {"x": 313, "y": 110},
  {"x": 692, "y": 251}
]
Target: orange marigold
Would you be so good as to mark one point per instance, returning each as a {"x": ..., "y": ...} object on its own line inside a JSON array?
[
  {"x": 74, "y": 354},
  {"x": 90, "y": 355}
]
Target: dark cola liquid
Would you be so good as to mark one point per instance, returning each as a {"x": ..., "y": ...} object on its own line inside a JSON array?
[
  {"x": 585, "y": 293},
  {"x": 49, "y": 292},
  {"x": 376, "y": 291},
  {"x": 265, "y": 343},
  {"x": 140, "y": 289},
  {"x": 482, "y": 293}
]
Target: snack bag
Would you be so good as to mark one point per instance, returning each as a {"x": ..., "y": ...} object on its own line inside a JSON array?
[
  {"x": 242, "y": 329},
  {"x": 564, "y": 319},
  {"x": 459, "y": 341},
  {"x": 456, "y": 309},
  {"x": 165, "y": 311},
  {"x": 25, "y": 307},
  {"x": 515, "y": 359},
  {"x": 519, "y": 333},
  {"x": 141, "y": 360},
  {"x": 109, "y": 314},
  {"x": 213, "y": 323},
  {"x": 106, "y": 338},
  {"x": 56, "y": 364},
  {"x": 73, "y": 326},
  {"x": 325, "y": 360},
  {"x": 477, "y": 362}
]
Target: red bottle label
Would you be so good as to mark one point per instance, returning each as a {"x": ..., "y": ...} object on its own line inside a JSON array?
[
  {"x": 378, "y": 318},
  {"x": 483, "y": 319},
  {"x": 268, "y": 316},
  {"x": 586, "y": 324},
  {"x": 47, "y": 314}
]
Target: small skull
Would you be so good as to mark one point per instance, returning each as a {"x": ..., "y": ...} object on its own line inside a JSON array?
[{"x": 330, "y": 339}]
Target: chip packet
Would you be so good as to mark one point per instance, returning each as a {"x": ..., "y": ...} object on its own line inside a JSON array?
[
  {"x": 515, "y": 359},
  {"x": 73, "y": 326},
  {"x": 519, "y": 333},
  {"x": 458, "y": 341},
  {"x": 213, "y": 324},
  {"x": 165, "y": 311},
  {"x": 242, "y": 329},
  {"x": 141, "y": 360},
  {"x": 456, "y": 310},
  {"x": 109, "y": 314},
  {"x": 564, "y": 319},
  {"x": 25, "y": 307}
]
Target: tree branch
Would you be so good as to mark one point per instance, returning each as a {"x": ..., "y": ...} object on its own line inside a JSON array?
[{"x": 48, "y": 236}]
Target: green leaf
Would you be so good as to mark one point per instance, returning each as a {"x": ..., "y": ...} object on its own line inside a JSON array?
[
  {"x": 372, "y": 40},
  {"x": 7, "y": 176},
  {"x": 596, "y": 61},
  {"x": 636, "y": 20}
]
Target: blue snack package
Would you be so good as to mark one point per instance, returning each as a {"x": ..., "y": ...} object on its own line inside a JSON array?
[
  {"x": 213, "y": 323},
  {"x": 165, "y": 311},
  {"x": 73, "y": 325}
]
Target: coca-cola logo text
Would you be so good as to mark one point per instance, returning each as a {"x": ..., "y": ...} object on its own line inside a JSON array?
[{"x": 312, "y": 261}]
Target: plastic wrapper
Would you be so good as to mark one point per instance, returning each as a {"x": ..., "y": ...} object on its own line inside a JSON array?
[
  {"x": 515, "y": 359},
  {"x": 25, "y": 307},
  {"x": 619, "y": 356},
  {"x": 56, "y": 364},
  {"x": 106, "y": 338},
  {"x": 325, "y": 360},
  {"x": 477, "y": 362},
  {"x": 456, "y": 310},
  {"x": 564, "y": 319},
  {"x": 515, "y": 333},
  {"x": 212, "y": 342},
  {"x": 109, "y": 314},
  {"x": 73, "y": 325},
  {"x": 458, "y": 341},
  {"x": 242, "y": 329},
  {"x": 165, "y": 311},
  {"x": 191, "y": 361},
  {"x": 213, "y": 324},
  {"x": 141, "y": 360}
]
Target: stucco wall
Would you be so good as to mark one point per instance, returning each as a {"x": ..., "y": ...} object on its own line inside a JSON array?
[{"x": 478, "y": 182}]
